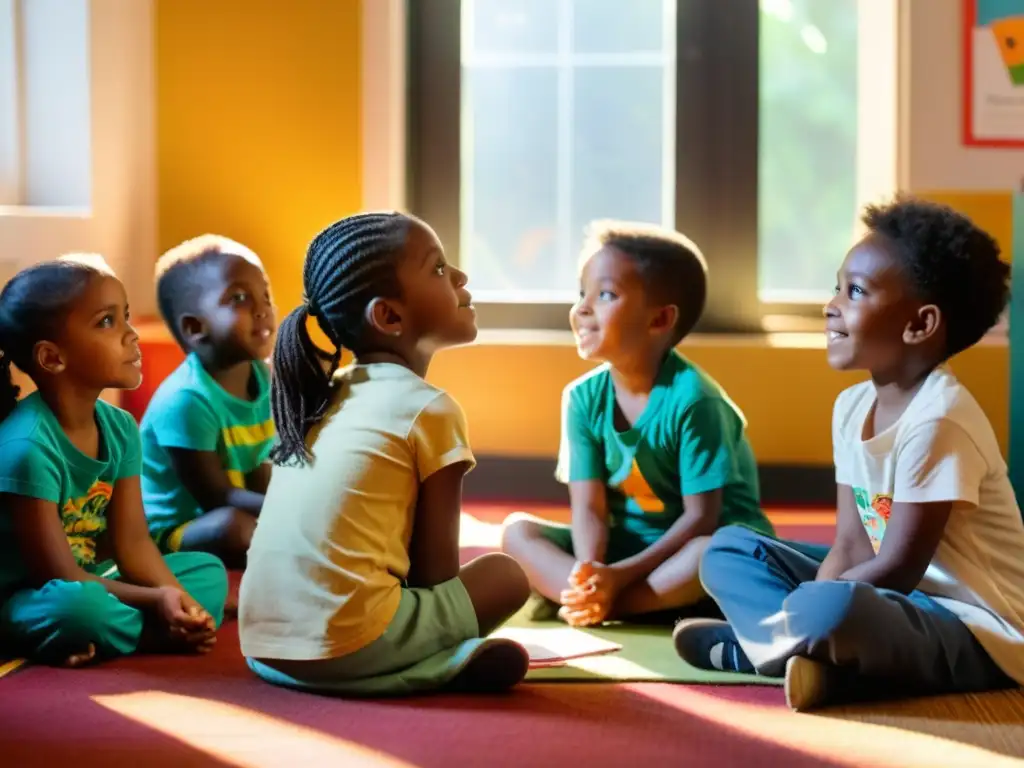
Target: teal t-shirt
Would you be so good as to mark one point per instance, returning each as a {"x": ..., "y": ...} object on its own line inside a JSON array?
[
  {"x": 690, "y": 439},
  {"x": 39, "y": 461},
  {"x": 191, "y": 410}
]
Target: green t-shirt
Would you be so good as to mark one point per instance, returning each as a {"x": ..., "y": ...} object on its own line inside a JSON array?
[
  {"x": 690, "y": 439},
  {"x": 191, "y": 410},
  {"x": 39, "y": 461}
]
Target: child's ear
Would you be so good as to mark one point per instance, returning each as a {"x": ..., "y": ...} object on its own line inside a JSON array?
[
  {"x": 48, "y": 358},
  {"x": 193, "y": 330},
  {"x": 665, "y": 318},
  {"x": 924, "y": 326},
  {"x": 383, "y": 317}
]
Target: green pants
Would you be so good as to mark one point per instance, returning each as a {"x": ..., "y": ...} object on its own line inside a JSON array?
[{"x": 64, "y": 617}]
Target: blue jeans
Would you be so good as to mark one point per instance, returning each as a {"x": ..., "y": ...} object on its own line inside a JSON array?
[{"x": 885, "y": 640}]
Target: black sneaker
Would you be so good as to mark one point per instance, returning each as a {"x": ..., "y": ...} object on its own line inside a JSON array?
[{"x": 710, "y": 644}]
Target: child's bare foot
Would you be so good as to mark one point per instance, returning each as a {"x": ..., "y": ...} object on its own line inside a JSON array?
[{"x": 82, "y": 658}]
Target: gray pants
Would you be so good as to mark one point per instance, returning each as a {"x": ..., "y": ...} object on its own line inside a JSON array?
[{"x": 887, "y": 643}]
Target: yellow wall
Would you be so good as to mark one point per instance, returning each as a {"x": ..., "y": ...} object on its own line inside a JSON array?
[
  {"x": 258, "y": 124},
  {"x": 511, "y": 393},
  {"x": 259, "y": 139}
]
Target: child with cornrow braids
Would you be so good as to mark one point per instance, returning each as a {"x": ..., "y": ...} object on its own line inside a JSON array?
[{"x": 353, "y": 584}]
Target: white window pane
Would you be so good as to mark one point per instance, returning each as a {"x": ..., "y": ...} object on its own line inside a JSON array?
[
  {"x": 509, "y": 181},
  {"x": 10, "y": 142},
  {"x": 807, "y": 201},
  {"x": 618, "y": 26},
  {"x": 510, "y": 26},
  {"x": 618, "y": 164}
]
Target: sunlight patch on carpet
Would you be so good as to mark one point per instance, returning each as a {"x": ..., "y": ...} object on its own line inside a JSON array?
[
  {"x": 818, "y": 735},
  {"x": 239, "y": 736}
]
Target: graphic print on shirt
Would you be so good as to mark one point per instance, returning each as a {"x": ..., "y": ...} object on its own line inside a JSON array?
[
  {"x": 637, "y": 488},
  {"x": 874, "y": 514},
  {"x": 84, "y": 519},
  {"x": 243, "y": 445}
]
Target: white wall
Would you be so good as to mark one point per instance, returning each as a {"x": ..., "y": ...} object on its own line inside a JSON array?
[
  {"x": 935, "y": 157},
  {"x": 120, "y": 221}
]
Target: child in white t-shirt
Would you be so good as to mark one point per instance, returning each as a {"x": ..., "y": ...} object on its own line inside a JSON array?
[{"x": 923, "y": 591}]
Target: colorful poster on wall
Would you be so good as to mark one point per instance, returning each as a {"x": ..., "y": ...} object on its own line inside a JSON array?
[{"x": 994, "y": 73}]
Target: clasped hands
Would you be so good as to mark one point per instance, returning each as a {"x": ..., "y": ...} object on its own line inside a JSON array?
[{"x": 591, "y": 592}]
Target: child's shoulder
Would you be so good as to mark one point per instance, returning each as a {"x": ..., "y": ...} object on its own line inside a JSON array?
[
  {"x": 590, "y": 381},
  {"x": 181, "y": 389},
  {"x": 114, "y": 418},
  {"x": 861, "y": 394},
  {"x": 391, "y": 392},
  {"x": 26, "y": 422},
  {"x": 944, "y": 400},
  {"x": 688, "y": 380},
  {"x": 688, "y": 385}
]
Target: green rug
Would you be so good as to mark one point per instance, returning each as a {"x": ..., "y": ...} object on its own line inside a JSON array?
[{"x": 647, "y": 655}]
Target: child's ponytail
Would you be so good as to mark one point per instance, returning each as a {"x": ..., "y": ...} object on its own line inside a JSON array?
[
  {"x": 301, "y": 386},
  {"x": 9, "y": 391},
  {"x": 348, "y": 265}
]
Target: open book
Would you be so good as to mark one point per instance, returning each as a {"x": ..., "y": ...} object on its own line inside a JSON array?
[{"x": 556, "y": 646}]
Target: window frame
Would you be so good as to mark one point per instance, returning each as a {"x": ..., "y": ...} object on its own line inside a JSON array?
[
  {"x": 120, "y": 218},
  {"x": 716, "y": 200}
]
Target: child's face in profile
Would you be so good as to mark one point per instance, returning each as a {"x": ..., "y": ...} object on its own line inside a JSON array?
[
  {"x": 237, "y": 309},
  {"x": 435, "y": 307},
  {"x": 871, "y": 320},
  {"x": 612, "y": 320},
  {"x": 99, "y": 347}
]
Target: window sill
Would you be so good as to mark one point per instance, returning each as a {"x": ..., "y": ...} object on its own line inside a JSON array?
[
  {"x": 44, "y": 212},
  {"x": 998, "y": 337},
  {"x": 791, "y": 340},
  {"x": 155, "y": 332}
]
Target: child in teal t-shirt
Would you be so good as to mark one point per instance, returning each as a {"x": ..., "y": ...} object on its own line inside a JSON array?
[
  {"x": 207, "y": 432},
  {"x": 654, "y": 452},
  {"x": 80, "y": 577}
]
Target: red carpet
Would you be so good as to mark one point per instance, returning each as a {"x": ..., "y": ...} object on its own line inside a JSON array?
[{"x": 211, "y": 711}]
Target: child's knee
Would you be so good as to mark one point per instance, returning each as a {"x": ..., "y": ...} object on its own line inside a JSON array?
[
  {"x": 827, "y": 610},
  {"x": 236, "y": 529},
  {"x": 506, "y": 576},
  {"x": 734, "y": 538},
  {"x": 79, "y": 613},
  {"x": 204, "y": 577},
  {"x": 726, "y": 543},
  {"x": 518, "y": 529},
  {"x": 77, "y": 607},
  {"x": 512, "y": 575}
]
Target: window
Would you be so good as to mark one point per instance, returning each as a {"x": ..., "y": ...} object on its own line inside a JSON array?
[
  {"x": 744, "y": 124},
  {"x": 45, "y": 144},
  {"x": 77, "y": 136}
]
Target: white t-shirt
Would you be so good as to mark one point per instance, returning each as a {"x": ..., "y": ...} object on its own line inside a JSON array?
[{"x": 943, "y": 449}]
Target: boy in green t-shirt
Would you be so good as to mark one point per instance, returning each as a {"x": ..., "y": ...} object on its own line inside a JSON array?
[
  {"x": 208, "y": 430},
  {"x": 654, "y": 452}
]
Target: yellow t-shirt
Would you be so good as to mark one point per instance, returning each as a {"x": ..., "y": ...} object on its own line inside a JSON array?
[{"x": 324, "y": 571}]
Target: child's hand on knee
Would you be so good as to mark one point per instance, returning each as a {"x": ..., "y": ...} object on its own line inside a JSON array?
[{"x": 185, "y": 621}]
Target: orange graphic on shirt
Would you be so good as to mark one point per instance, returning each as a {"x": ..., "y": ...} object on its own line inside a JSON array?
[
  {"x": 882, "y": 504},
  {"x": 874, "y": 515},
  {"x": 84, "y": 519},
  {"x": 636, "y": 487}
]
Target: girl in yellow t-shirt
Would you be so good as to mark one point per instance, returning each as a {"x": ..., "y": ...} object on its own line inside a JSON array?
[{"x": 353, "y": 583}]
